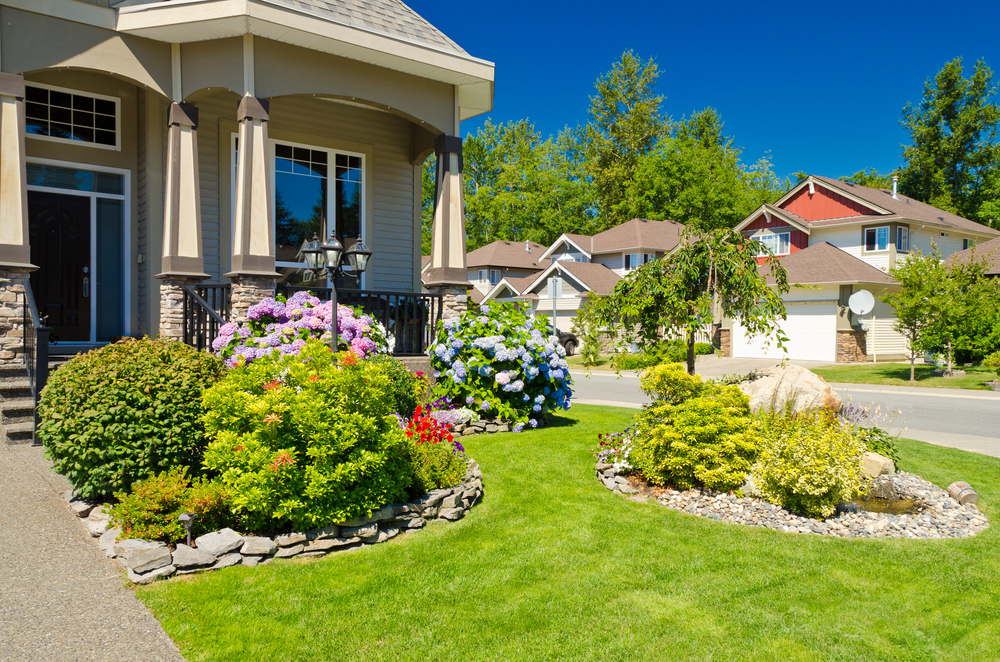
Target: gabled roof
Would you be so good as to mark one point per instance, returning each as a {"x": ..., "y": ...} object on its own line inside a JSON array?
[
  {"x": 515, "y": 285},
  {"x": 768, "y": 210},
  {"x": 425, "y": 261},
  {"x": 597, "y": 278},
  {"x": 637, "y": 234},
  {"x": 989, "y": 250},
  {"x": 509, "y": 254},
  {"x": 824, "y": 263}
]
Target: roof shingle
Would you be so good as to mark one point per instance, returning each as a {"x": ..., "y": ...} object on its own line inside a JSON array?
[
  {"x": 824, "y": 263},
  {"x": 510, "y": 254}
]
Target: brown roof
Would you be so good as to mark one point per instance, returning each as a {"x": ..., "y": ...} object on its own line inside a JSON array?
[
  {"x": 825, "y": 263},
  {"x": 424, "y": 261},
  {"x": 902, "y": 207},
  {"x": 990, "y": 250},
  {"x": 635, "y": 234},
  {"x": 476, "y": 295},
  {"x": 511, "y": 254},
  {"x": 595, "y": 276},
  {"x": 521, "y": 284}
]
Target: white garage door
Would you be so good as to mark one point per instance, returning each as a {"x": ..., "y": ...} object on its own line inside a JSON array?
[{"x": 811, "y": 329}]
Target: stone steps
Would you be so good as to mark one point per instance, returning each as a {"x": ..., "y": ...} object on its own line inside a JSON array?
[{"x": 17, "y": 407}]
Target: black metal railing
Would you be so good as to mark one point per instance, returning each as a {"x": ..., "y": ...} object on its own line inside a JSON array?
[
  {"x": 206, "y": 308},
  {"x": 411, "y": 318},
  {"x": 35, "y": 342}
]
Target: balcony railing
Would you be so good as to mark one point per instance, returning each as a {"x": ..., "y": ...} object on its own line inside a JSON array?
[
  {"x": 35, "y": 343},
  {"x": 206, "y": 308}
]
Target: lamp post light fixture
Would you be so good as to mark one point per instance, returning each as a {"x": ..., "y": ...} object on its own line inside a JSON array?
[
  {"x": 187, "y": 519},
  {"x": 326, "y": 259}
]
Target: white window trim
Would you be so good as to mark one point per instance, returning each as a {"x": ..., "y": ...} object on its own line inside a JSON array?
[
  {"x": 902, "y": 237},
  {"x": 779, "y": 235},
  {"x": 484, "y": 276},
  {"x": 331, "y": 178},
  {"x": 630, "y": 261},
  {"x": 495, "y": 273},
  {"x": 127, "y": 275},
  {"x": 117, "y": 147},
  {"x": 888, "y": 238}
]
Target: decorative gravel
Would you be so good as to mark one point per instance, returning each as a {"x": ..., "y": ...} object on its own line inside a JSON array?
[{"x": 940, "y": 516}]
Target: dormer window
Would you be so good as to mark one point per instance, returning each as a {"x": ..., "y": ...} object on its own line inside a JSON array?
[
  {"x": 876, "y": 239},
  {"x": 778, "y": 243},
  {"x": 635, "y": 260}
]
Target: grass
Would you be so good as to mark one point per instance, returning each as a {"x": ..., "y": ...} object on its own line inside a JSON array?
[
  {"x": 603, "y": 362},
  {"x": 551, "y": 566},
  {"x": 898, "y": 374}
]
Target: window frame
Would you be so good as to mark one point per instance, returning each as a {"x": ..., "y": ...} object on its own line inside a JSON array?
[
  {"x": 787, "y": 241},
  {"x": 888, "y": 237},
  {"x": 630, "y": 261},
  {"x": 902, "y": 239},
  {"x": 968, "y": 243},
  {"x": 117, "y": 147},
  {"x": 499, "y": 277},
  {"x": 484, "y": 276}
]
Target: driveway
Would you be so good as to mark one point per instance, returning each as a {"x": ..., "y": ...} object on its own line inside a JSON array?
[
  {"x": 969, "y": 420},
  {"x": 60, "y": 597}
]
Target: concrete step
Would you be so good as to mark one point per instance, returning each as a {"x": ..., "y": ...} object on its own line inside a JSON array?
[
  {"x": 19, "y": 433},
  {"x": 16, "y": 407},
  {"x": 15, "y": 389}
]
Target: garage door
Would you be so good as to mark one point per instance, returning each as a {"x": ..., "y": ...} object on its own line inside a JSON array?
[{"x": 811, "y": 329}]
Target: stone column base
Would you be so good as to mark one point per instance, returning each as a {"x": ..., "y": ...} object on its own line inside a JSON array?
[
  {"x": 725, "y": 342},
  {"x": 172, "y": 306},
  {"x": 852, "y": 346},
  {"x": 246, "y": 291},
  {"x": 12, "y": 304},
  {"x": 455, "y": 299}
]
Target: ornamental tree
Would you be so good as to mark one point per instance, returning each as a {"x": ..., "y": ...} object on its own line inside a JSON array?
[
  {"x": 921, "y": 278},
  {"x": 714, "y": 270}
]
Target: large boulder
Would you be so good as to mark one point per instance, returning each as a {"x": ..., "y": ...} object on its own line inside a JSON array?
[
  {"x": 790, "y": 388},
  {"x": 875, "y": 465}
]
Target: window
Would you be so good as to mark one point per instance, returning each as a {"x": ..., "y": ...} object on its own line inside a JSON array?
[
  {"x": 631, "y": 261},
  {"x": 903, "y": 239},
  {"x": 483, "y": 275},
  {"x": 777, "y": 243},
  {"x": 968, "y": 243},
  {"x": 877, "y": 239},
  {"x": 55, "y": 113},
  {"x": 648, "y": 257},
  {"x": 494, "y": 276}
]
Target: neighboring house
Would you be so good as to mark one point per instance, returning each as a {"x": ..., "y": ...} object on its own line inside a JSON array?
[
  {"x": 620, "y": 249},
  {"x": 837, "y": 238},
  {"x": 988, "y": 250},
  {"x": 501, "y": 259},
  {"x": 149, "y": 145}
]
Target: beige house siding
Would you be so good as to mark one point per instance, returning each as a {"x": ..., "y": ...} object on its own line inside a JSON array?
[{"x": 142, "y": 219}]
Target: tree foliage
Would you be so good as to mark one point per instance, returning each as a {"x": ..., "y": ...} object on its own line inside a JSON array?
[
  {"x": 871, "y": 178},
  {"x": 712, "y": 271},
  {"x": 953, "y": 130},
  {"x": 921, "y": 278}
]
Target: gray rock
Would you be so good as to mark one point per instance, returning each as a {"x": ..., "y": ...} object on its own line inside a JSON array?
[
  {"x": 149, "y": 577},
  {"x": 127, "y": 547},
  {"x": 627, "y": 489},
  {"x": 100, "y": 514},
  {"x": 258, "y": 546},
  {"x": 621, "y": 480},
  {"x": 107, "y": 541},
  {"x": 468, "y": 432},
  {"x": 356, "y": 522},
  {"x": 492, "y": 428},
  {"x": 431, "y": 513},
  {"x": 384, "y": 513},
  {"x": 331, "y": 531},
  {"x": 218, "y": 543},
  {"x": 790, "y": 388},
  {"x": 227, "y": 560},
  {"x": 368, "y": 531},
  {"x": 603, "y": 466},
  {"x": 251, "y": 561},
  {"x": 387, "y": 533},
  {"x": 451, "y": 501},
  {"x": 185, "y": 557},
  {"x": 327, "y": 544},
  {"x": 503, "y": 427},
  {"x": 609, "y": 483},
  {"x": 144, "y": 560},
  {"x": 96, "y": 529},
  {"x": 459, "y": 428},
  {"x": 81, "y": 507},
  {"x": 290, "y": 539},
  {"x": 418, "y": 523},
  {"x": 452, "y": 514},
  {"x": 285, "y": 552}
]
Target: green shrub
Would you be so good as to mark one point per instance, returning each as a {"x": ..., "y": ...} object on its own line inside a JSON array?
[
  {"x": 993, "y": 361},
  {"x": 438, "y": 458},
  {"x": 118, "y": 414},
  {"x": 625, "y": 361},
  {"x": 809, "y": 463},
  {"x": 303, "y": 442},
  {"x": 695, "y": 433},
  {"x": 405, "y": 388},
  {"x": 151, "y": 509},
  {"x": 703, "y": 348},
  {"x": 588, "y": 331}
]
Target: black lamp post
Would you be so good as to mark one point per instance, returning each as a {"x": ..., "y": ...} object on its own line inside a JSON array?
[{"x": 326, "y": 259}]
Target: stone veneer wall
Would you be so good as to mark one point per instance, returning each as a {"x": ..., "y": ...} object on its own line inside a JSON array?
[
  {"x": 454, "y": 302},
  {"x": 12, "y": 316},
  {"x": 725, "y": 345},
  {"x": 851, "y": 346},
  {"x": 246, "y": 292},
  {"x": 172, "y": 307}
]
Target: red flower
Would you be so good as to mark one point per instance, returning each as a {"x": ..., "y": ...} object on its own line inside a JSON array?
[
  {"x": 314, "y": 378},
  {"x": 273, "y": 385},
  {"x": 350, "y": 358}
]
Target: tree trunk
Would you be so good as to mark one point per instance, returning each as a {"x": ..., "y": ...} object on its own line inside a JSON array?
[
  {"x": 690, "y": 352},
  {"x": 949, "y": 357},
  {"x": 913, "y": 358}
]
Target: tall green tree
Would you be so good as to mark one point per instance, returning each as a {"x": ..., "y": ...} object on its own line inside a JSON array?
[
  {"x": 625, "y": 125},
  {"x": 871, "y": 178},
  {"x": 953, "y": 139},
  {"x": 712, "y": 270},
  {"x": 921, "y": 278}
]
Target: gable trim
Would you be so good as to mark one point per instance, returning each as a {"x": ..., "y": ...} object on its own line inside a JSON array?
[
  {"x": 816, "y": 182},
  {"x": 563, "y": 239},
  {"x": 767, "y": 211}
]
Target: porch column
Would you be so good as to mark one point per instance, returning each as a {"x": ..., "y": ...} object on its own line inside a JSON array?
[
  {"x": 183, "y": 260},
  {"x": 15, "y": 252},
  {"x": 253, "y": 271},
  {"x": 447, "y": 273}
]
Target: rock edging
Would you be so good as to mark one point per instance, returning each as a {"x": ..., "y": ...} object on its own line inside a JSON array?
[
  {"x": 146, "y": 561},
  {"x": 493, "y": 426},
  {"x": 941, "y": 517}
]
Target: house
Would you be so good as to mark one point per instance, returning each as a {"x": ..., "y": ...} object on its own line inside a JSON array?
[
  {"x": 620, "y": 249},
  {"x": 503, "y": 259},
  {"x": 835, "y": 238},
  {"x": 151, "y": 146},
  {"x": 988, "y": 250}
]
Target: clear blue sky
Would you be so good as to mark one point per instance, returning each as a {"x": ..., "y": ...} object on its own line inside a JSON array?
[{"x": 820, "y": 86}]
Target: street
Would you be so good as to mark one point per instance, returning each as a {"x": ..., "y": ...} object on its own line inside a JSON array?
[{"x": 969, "y": 420}]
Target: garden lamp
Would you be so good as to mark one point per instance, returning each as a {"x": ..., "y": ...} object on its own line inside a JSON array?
[
  {"x": 357, "y": 257},
  {"x": 187, "y": 519},
  {"x": 312, "y": 254},
  {"x": 333, "y": 251},
  {"x": 325, "y": 260}
]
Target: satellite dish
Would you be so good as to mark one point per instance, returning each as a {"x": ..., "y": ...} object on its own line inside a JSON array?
[{"x": 861, "y": 302}]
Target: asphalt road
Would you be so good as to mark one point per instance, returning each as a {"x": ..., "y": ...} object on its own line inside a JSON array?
[{"x": 969, "y": 420}]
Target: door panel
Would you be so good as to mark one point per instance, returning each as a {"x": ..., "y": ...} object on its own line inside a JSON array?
[{"x": 59, "y": 233}]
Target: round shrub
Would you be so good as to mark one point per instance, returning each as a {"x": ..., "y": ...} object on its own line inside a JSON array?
[
  {"x": 118, "y": 414},
  {"x": 406, "y": 388},
  {"x": 500, "y": 361},
  {"x": 438, "y": 458},
  {"x": 304, "y": 442},
  {"x": 809, "y": 463}
]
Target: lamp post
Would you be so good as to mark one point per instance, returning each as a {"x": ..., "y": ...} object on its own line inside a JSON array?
[{"x": 326, "y": 259}]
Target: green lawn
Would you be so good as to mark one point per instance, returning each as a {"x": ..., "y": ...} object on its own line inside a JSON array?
[
  {"x": 553, "y": 566},
  {"x": 898, "y": 374},
  {"x": 603, "y": 362}
]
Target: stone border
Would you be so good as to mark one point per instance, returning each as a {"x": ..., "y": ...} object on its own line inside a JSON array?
[
  {"x": 941, "y": 517},
  {"x": 145, "y": 561},
  {"x": 494, "y": 426}
]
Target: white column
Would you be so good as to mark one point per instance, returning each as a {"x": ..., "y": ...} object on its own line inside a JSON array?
[{"x": 15, "y": 252}]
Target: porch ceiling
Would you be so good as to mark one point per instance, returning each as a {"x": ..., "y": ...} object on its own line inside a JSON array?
[{"x": 182, "y": 21}]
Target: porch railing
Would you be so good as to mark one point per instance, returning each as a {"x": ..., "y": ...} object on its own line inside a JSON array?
[
  {"x": 35, "y": 342},
  {"x": 206, "y": 308},
  {"x": 411, "y": 318}
]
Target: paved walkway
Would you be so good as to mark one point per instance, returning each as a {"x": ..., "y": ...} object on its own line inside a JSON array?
[{"x": 60, "y": 597}]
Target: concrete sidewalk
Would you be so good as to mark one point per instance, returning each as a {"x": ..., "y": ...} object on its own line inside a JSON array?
[{"x": 61, "y": 599}]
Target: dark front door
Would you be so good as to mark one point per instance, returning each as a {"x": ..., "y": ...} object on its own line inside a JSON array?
[{"x": 59, "y": 230}]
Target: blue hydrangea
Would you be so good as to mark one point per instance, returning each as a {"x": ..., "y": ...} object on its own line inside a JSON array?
[
  {"x": 518, "y": 427},
  {"x": 533, "y": 423},
  {"x": 536, "y": 408}
]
